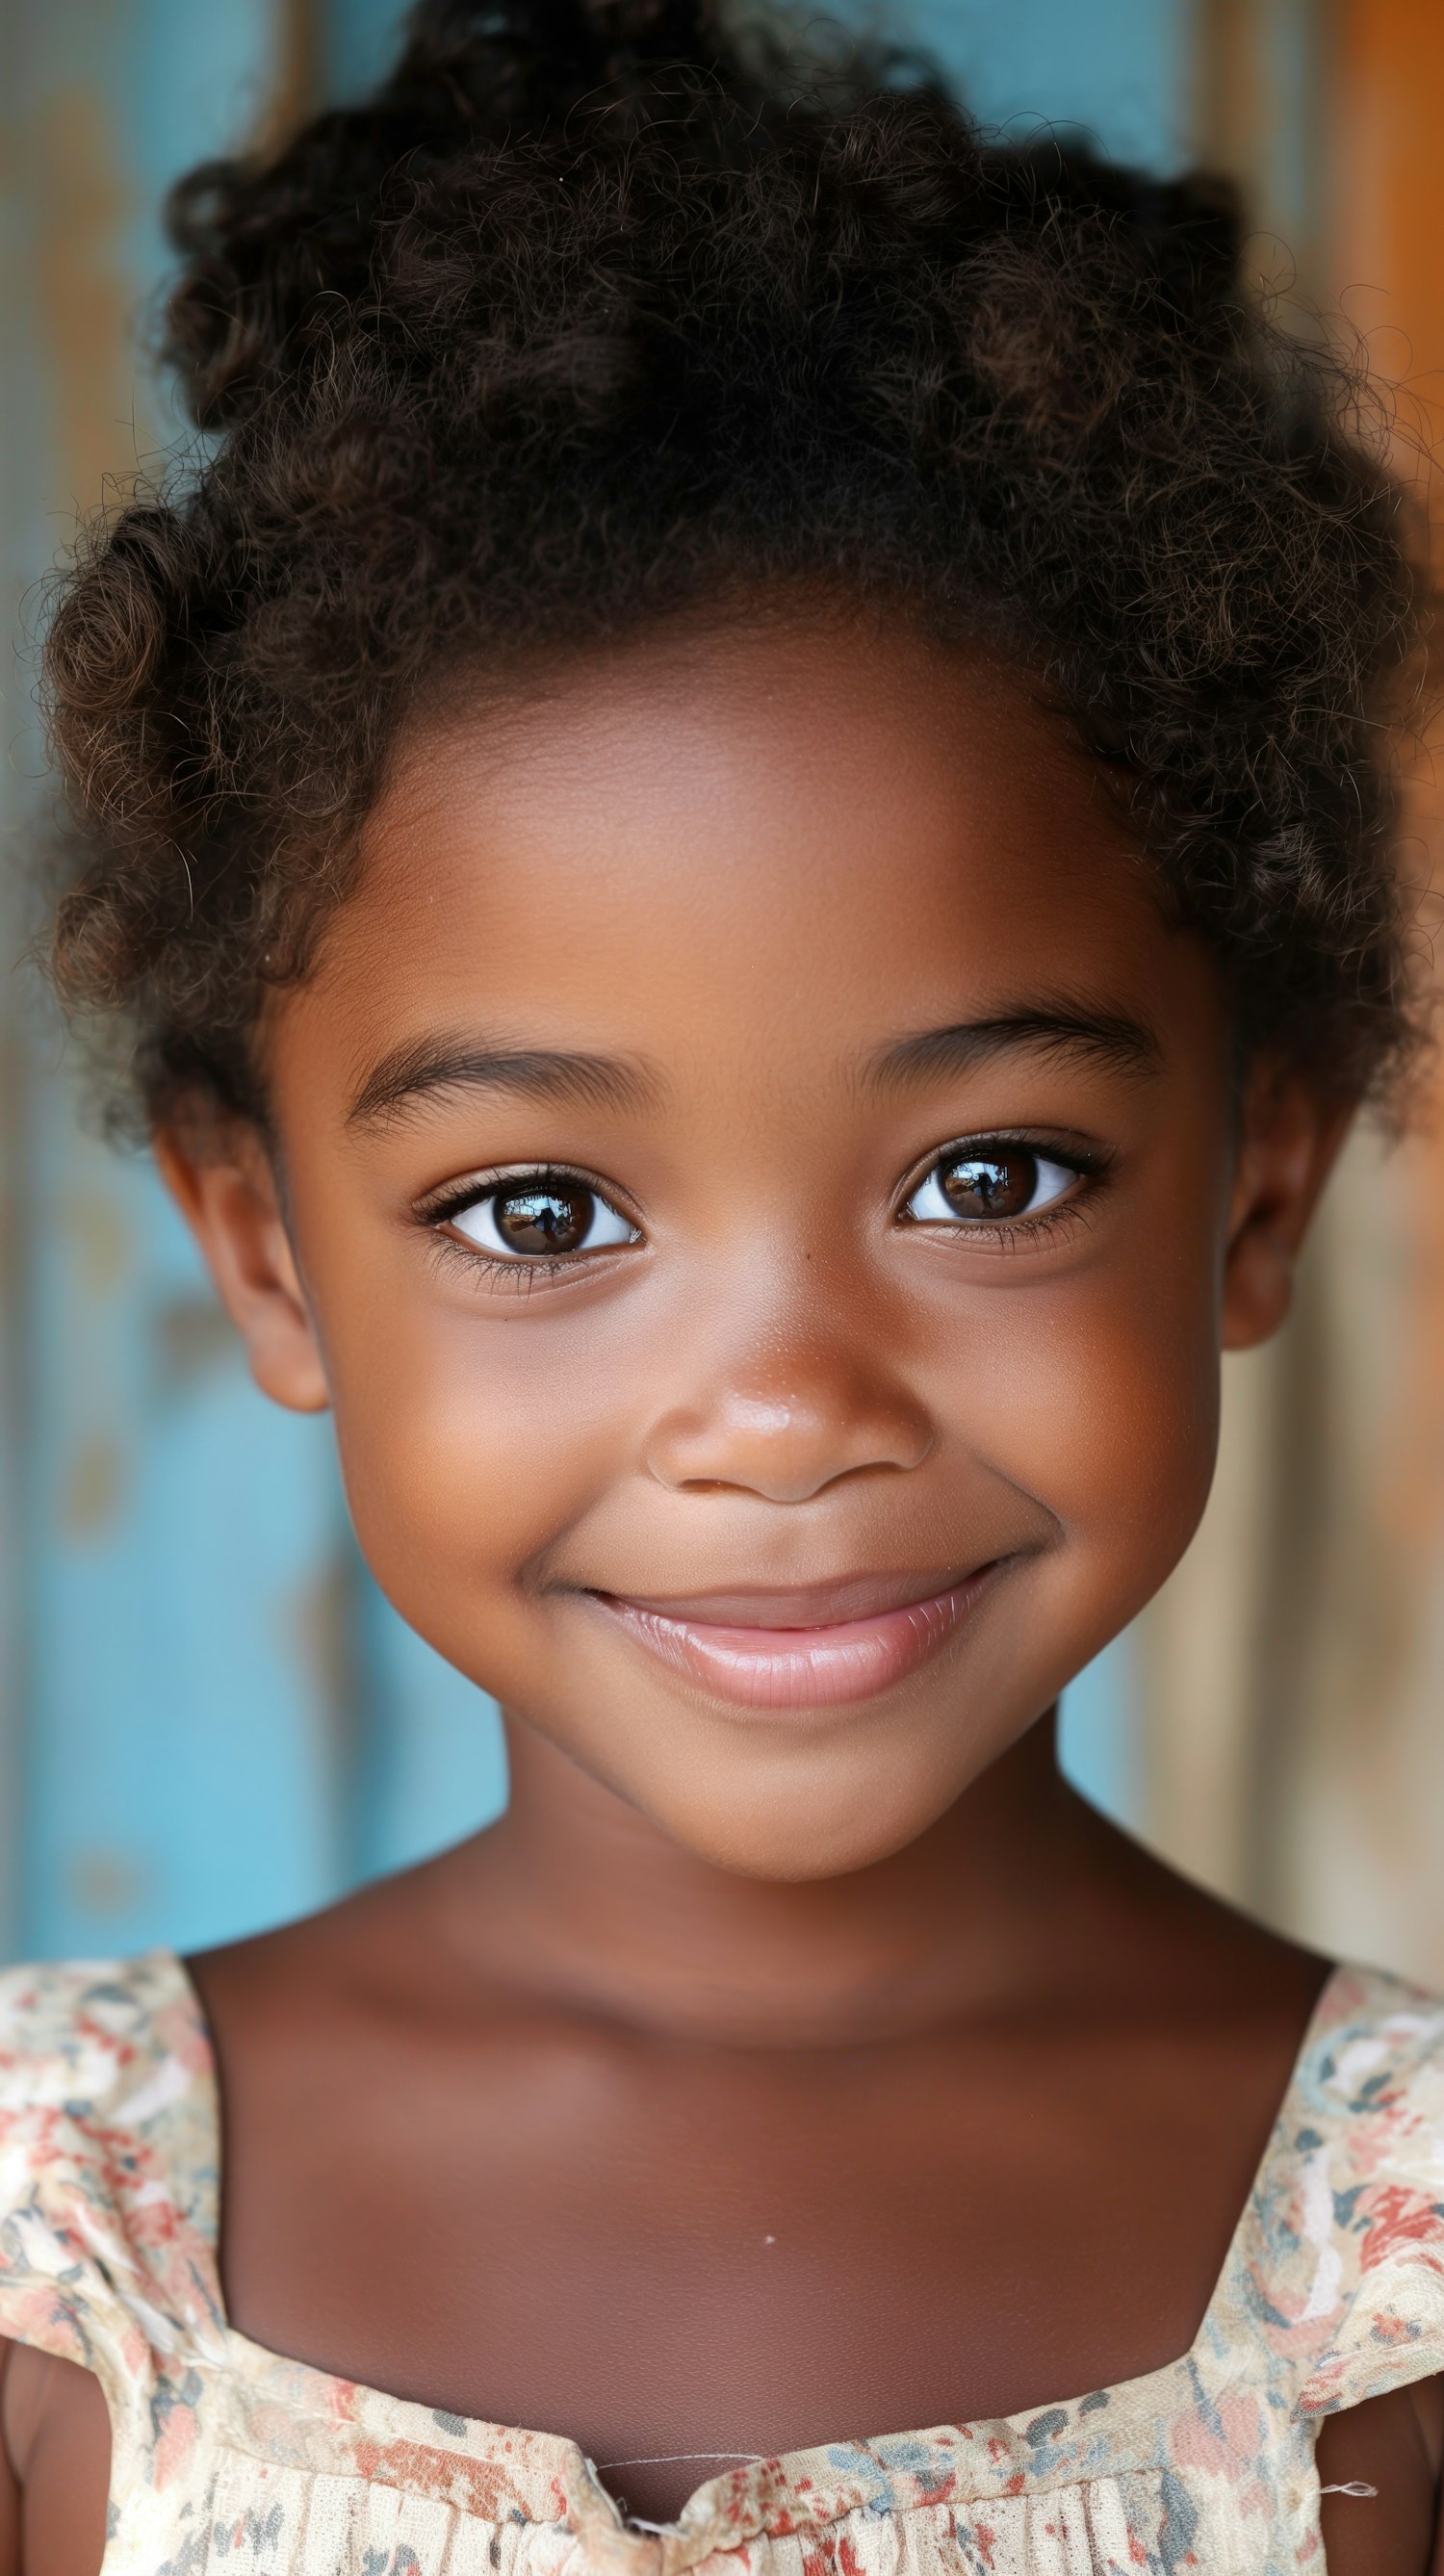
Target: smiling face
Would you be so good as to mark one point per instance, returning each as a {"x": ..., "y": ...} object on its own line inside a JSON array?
[{"x": 762, "y": 1200}]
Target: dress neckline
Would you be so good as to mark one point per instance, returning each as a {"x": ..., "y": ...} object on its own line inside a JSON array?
[{"x": 1100, "y": 2431}]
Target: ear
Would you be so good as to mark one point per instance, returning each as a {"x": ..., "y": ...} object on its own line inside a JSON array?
[
  {"x": 1288, "y": 1145},
  {"x": 225, "y": 1188}
]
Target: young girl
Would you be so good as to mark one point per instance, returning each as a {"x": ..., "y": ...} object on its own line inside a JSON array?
[{"x": 740, "y": 823}]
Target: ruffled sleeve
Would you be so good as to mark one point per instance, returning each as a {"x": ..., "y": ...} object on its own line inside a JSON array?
[
  {"x": 108, "y": 2192},
  {"x": 1370, "y": 2206}
]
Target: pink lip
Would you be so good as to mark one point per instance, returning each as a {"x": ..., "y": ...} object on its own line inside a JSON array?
[{"x": 797, "y": 1666}]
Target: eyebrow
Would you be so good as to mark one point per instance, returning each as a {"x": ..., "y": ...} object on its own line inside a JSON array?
[
  {"x": 430, "y": 1067},
  {"x": 1054, "y": 1031}
]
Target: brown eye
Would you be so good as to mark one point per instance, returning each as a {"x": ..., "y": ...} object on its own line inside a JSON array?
[
  {"x": 988, "y": 1184},
  {"x": 550, "y": 1220},
  {"x": 536, "y": 1218}
]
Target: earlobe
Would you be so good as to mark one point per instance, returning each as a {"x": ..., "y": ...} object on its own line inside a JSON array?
[
  {"x": 1290, "y": 1140},
  {"x": 228, "y": 1196}
]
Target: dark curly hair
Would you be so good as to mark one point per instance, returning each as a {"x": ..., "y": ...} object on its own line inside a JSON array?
[{"x": 589, "y": 316}]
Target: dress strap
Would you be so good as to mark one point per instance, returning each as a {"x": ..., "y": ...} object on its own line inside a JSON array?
[
  {"x": 1337, "y": 2277},
  {"x": 1372, "y": 2196},
  {"x": 108, "y": 2177}
]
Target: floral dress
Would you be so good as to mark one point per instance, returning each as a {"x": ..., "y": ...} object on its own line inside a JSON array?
[{"x": 226, "y": 2457}]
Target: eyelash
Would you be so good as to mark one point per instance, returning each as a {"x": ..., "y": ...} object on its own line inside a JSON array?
[
  {"x": 1012, "y": 1234},
  {"x": 517, "y": 1278},
  {"x": 520, "y": 1277}
]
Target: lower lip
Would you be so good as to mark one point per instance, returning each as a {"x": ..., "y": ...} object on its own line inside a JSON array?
[{"x": 800, "y": 1668}]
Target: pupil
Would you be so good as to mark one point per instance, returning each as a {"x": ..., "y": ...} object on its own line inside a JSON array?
[
  {"x": 544, "y": 1220},
  {"x": 991, "y": 1185}
]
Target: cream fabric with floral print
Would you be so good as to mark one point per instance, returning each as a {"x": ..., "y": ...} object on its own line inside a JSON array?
[{"x": 228, "y": 2457}]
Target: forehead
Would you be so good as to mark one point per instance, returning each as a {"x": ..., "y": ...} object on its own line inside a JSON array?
[{"x": 783, "y": 839}]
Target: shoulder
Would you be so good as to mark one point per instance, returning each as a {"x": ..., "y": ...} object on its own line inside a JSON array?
[
  {"x": 1350, "y": 2210},
  {"x": 1368, "y": 2107},
  {"x": 76, "y": 2036},
  {"x": 107, "y": 2156},
  {"x": 1375, "y": 2053}
]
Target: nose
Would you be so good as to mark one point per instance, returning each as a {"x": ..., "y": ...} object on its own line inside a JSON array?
[{"x": 787, "y": 1425}]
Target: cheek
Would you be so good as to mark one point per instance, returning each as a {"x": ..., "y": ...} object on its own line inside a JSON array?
[
  {"x": 1101, "y": 1399},
  {"x": 469, "y": 1440}
]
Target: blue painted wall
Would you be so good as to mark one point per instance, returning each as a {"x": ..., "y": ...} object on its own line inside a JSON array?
[
  {"x": 1119, "y": 69},
  {"x": 214, "y": 1721}
]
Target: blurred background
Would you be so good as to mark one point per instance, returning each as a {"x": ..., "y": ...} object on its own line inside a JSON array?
[{"x": 208, "y": 1718}]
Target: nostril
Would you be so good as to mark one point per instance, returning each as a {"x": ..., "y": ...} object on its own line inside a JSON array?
[
  {"x": 767, "y": 1484},
  {"x": 787, "y": 1446}
]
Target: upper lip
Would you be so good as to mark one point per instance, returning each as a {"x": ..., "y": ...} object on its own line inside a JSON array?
[{"x": 826, "y": 1604}]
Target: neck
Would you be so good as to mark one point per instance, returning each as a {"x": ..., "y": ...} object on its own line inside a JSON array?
[{"x": 577, "y": 1896}]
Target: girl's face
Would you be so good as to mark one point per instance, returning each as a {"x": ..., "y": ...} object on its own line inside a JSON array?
[{"x": 763, "y": 1199}]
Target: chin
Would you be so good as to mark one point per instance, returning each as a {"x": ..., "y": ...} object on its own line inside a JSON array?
[{"x": 805, "y": 1834}]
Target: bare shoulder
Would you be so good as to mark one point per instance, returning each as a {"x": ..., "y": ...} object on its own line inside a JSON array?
[
  {"x": 374, "y": 1947},
  {"x": 54, "y": 2466},
  {"x": 1380, "y": 2466},
  {"x": 1186, "y": 1976}
]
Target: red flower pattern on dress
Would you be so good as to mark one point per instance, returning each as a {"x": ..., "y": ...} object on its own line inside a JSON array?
[{"x": 226, "y": 2456}]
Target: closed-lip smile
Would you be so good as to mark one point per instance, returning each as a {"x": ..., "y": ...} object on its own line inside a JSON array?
[{"x": 805, "y": 1646}]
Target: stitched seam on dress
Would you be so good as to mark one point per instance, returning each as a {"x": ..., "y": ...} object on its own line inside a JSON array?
[
  {"x": 378, "y": 2477},
  {"x": 799, "y": 2524},
  {"x": 721, "y": 2534}
]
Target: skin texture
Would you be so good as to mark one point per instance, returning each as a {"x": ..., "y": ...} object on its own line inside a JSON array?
[{"x": 909, "y": 2090}]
